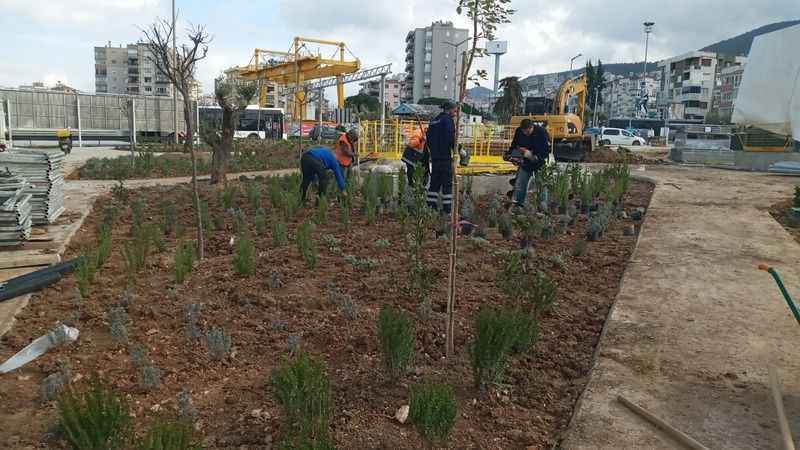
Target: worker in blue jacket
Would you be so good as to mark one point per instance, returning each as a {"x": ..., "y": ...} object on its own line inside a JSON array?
[
  {"x": 314, "y": 166},
  {"x": 441, "y": 138}
]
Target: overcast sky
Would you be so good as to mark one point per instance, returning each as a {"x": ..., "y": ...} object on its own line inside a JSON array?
[{"x": 53, "y": 40}]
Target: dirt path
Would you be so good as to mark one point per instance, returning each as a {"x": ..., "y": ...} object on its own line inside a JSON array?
[{"x": 696, "y": 325}]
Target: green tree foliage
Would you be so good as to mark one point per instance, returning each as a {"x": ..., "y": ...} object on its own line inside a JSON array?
[
  {"x": 511, "y": 102},
  {"x": 594, "y": 84},
  {"x": 363, "y": 103}
]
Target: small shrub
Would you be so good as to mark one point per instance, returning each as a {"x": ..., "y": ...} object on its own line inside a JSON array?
[
  {"x": 396, "y": 334},
  {"x": 302, "y": 388},
  {"x": 349, "y": 307},
  {"x": 280, "y": 235},
  {"x": 103, "y": 246},
  {"x": 275, "y": 280},
  {"x": 119, "y": 321},
  {"x": 254, "y": 195},
  {"x": 796, "y": 200},
  {"x": 260, "y": 223},
  {"x": 293, "y": 343},
  {"x": 169, "y": 218},
  {"x": 495, "y": 337},
  {"x": 120, "y": 193},
  {"x": 321, "y": 215},
  {"x": 94, "y": 419},
  {"x": 184, "y": 260},
  {"x": 191, "y": 316},
  {"x": 139, "y": 355},
  {"x": 493, "y": 211},
  {"x": 244, "y": 258},
  {"x": 55, "y": 383},
  {"x": 505, "y": 227},
  {"x": 85, "y": 271},
  {"x": 580, "y": 247},
  {"x": 526, "y": 326},
  {"x": 205, "y": 216},
  {"x": 219, "y": 344},
  {"x": 542, "y": 293},
  {"x": 137, "y": 250},
  {"x": 347, "y": 204},
  {"x": 171, "y": 435},
  {"x": 228, "y": 195},
  {"x": 149, "y": 377},
  {"x": 558, "y": 260},
  {"x": 362, "y": 263},
  {"x": 305, "y": 243},
  {"x": 383, "y": 244},
  {"x": 433, "y": 411},
  {"x": 332, "y": 243},
  {"x": 185, "y": 408},
  {"x": 371, "y": 211}
]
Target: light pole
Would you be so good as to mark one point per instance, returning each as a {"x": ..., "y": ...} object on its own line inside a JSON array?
[
  {"x": 648, "y": 28},
  {"x": 455, "y": 64},
  {"x": 572, "y": 60}
]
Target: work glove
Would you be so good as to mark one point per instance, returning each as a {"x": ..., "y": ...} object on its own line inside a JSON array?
[{"x": 528, "y": 154}]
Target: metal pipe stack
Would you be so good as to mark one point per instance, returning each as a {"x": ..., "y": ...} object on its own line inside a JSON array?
[
  {"x": 42, "y": 168},
  {"x": 15, "y": 210}
]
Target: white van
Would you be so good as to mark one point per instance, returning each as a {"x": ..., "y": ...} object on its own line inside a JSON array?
[{"x": 618, "y": 136}]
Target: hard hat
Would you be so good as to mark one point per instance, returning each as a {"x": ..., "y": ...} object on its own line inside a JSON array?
[{"x": 352, "y": 134}]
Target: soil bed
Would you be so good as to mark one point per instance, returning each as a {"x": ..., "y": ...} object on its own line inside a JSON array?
[
  {"x": 780, "y": 212},
  {"x": 237, "y": 408}
]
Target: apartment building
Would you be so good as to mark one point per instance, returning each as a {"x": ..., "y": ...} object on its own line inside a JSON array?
[
  {"x": 622, "y": 95},
  {"x": 392, "y": 89},
  {"x": 727, "y": 89},
  {"x": 433, "y": 61},
  {"x": 688, "y": 82},
  {"x": 128, "y": 70}
]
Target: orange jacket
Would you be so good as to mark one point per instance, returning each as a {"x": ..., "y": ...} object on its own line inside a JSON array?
[
  {"x": 345, "y": 151},
  {"x": 416, "y": 140}
]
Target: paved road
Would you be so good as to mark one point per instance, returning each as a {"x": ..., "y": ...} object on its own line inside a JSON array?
[{"x": 695, "y": 325}]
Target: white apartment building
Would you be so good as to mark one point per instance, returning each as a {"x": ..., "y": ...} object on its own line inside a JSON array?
[
  {"x": 433, "y": 61},
  {"x": 128, "y": 70},
  {"x": 393, "y": 89},
  {"x": 621, "y": 95}
]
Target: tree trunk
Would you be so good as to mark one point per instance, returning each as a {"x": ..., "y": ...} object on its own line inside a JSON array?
[
  {"x": 189, "y": 144},
  {"x": 222, "y": 152}
]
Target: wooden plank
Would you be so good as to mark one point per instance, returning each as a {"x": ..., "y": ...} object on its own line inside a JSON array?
[{"x": 10, "y": 260}]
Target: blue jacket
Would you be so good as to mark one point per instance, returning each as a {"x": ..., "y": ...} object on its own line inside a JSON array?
[
  {"x": 330, "y": 162},
  {"x": 538, "y": 143},
  {"x": 441, "y": 137}
]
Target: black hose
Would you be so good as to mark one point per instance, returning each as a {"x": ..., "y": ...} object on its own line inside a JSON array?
[{"x": 36, "y": 280}]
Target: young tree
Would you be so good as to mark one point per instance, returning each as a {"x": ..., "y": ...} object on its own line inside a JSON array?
[
  {"x": 485, "y": 16},
  {"x": 510, "y": 104},
  {"x": 179, "y": 68},
  {"x": 232, "y": 96}
]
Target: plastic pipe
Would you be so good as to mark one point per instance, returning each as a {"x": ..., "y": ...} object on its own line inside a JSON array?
[{"x": 786, "y": 296}]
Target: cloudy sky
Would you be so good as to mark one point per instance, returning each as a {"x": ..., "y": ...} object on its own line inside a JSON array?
[{"x": 53, "y": 40}]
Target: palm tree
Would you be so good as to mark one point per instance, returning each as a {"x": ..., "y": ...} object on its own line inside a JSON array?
[{"x": 510, "y": 104}]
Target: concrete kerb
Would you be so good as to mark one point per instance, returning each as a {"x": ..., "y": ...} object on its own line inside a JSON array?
[{"x": 596, "y": 353}]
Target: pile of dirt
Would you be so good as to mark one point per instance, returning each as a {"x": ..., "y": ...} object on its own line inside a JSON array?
[
  {"x": 236, "y": 406},
  {"x": 604, "y": 154},
  {"x": 780, "y": 212}
]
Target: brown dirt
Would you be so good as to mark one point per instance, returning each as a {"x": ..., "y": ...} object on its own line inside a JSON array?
[
  {"x": 779, "y": 212},
  {"x": 604, "y": 154},
  {"x": 529, "y": 411}
]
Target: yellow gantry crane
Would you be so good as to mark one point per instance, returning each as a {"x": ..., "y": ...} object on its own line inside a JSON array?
[{"x": 294, "y": 68}]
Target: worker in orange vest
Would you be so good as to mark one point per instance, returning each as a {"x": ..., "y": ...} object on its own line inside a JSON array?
[
  {"x": 346, "y": 149},
  {"x": 416, "y": 155}
]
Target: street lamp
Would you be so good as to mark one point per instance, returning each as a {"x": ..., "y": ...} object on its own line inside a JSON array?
[
  {"x": 648, "y": 28},
  {"x": 455, "y": 63},
  {"x": 571, "y": 60}
]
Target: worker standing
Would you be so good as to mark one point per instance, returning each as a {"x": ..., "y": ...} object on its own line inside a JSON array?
[
  {"x": 314, "y": 166},
  {"x": 529, "y": 150},
  {"x": 346, "y": 149},
  {"x": 416, "y": 156},
  {"x": 441, "y": 138}
]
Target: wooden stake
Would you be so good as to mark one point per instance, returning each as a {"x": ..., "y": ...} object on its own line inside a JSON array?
[
  {"x": 777, "y": 398},
  {"x": 674, "y": 433}
]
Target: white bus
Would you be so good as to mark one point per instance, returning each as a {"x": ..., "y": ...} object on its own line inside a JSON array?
[{"x": 254, "y": 122}]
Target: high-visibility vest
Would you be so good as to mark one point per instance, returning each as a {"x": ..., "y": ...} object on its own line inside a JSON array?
[{"x": 344, "y": 144}]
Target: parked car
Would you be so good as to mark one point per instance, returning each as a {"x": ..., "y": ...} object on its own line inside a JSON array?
[
  {"x": 593, "y": 131},
  {"x": 618, "y": 136},
  {"x": 329, "y": 133}
]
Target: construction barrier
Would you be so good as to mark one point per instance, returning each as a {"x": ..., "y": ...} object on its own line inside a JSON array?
[{"x": 485, "y": 143}]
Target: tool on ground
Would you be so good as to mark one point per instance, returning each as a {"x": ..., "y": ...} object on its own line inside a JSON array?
[
  {"x": 786, "y": 296},
  {"x": 673, "y": 432},
  {"x": 34, "y": 281},
  {"x": 62, "y": 334},
  {"x": 777, "y": 398}
]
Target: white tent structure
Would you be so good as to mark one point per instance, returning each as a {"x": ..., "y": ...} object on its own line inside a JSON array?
[{"x": 769, "y": 95}]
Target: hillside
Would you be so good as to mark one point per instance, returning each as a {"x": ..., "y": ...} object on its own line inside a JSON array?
[
  {"x": 740, "y": 45},
  {"x": 479, "y": 92},
  {"x": 737, "y": 45}
]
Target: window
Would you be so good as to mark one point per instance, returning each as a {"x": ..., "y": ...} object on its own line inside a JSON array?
[
  {"x": 704, "y": 91},
  {"x": 611, "y": 132},
  {"x": 427, "y": 67},
  {"x": 161, "y": 90},
  {"x": 113, "y": 61},
  {"x": 686, "y": 75},
  {"x": 456, "y": 35},
  {"x": 447, "y": 33},
  {"x": 447, "y": 56},
  {"x": 428, "y": 56},
  {"x": 627, "y": 133},
  {"x": 445, "y": 88},
  {"x": 148, "y": 89},
  {"x": 427, "y": 82},
  {"x": 705, "y": 62},
  {"x": 148, "y": 79}
]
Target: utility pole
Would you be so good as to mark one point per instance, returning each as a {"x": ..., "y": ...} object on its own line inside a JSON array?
[
  {"x": 174, "y": 88},
  {"x": 648, "y": 28}
]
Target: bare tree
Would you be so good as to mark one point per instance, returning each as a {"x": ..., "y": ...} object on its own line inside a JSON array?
[
  {"x": 232, "y": 96},
  {"x": 485, "y": 16},
  {"x": 179, "y": 67}
]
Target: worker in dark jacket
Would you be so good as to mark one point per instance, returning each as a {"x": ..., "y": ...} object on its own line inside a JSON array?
[
  {"x": 314, "y": 166},
  {"x": 441, "y": 138},
  {"x": 529, "y": 150}
]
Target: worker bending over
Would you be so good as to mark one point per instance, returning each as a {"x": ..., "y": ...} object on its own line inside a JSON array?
[
  {"x": 346, "y": 149},
  {"x": 416, "y": 156},
  {"x": 314, "y": 166},
  {"x": 529, "y": 151},
  {"x": 441, "y": 138}
]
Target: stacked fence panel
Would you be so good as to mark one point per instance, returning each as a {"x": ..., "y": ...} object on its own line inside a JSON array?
[
  {"x": 43, "y": 171},
  {"x": 15, "y": 209}
]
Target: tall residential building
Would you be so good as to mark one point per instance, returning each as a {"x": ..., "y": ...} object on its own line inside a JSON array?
[
  {"x": 433, "y": 61},
  {"x": 621, "y": 95},
  {"x": 128, "y": 70},
  {"x": 392, "y": 89},
  {"x": 688, "y": 82},
  {"x": 729, "y": 80}
]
